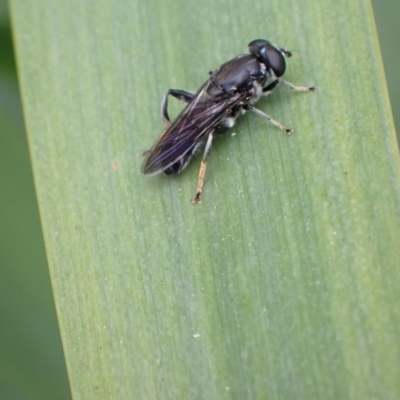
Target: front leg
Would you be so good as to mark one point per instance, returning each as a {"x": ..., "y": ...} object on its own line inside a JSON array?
[
  {"x": 180, "y": 95},
  {"x": 298, "y": 88},
  {"x": 268, "y": 89}
]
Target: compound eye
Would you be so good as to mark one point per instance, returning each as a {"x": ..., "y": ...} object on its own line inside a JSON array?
[
  {"x": 276, "y": 60},
  {"x": 268, "y": 54}
]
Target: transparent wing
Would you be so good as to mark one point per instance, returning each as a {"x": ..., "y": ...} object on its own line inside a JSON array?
[{"x": 201, "y": 115}]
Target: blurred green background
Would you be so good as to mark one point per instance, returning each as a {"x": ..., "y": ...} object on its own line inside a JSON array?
[{"x": 31, "y": 359}]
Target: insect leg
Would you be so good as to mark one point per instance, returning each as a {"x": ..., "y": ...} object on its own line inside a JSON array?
[
  {"x": 202, "y": 170},
  {"x": 180, "y": 95},
  {"x": 298, "y": 88},
  {"x": 248, "y": 107},
  {"x": 268, "y": 89}
]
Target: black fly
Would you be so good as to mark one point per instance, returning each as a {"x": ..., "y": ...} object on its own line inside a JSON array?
[{"x": 229, "y": 92}]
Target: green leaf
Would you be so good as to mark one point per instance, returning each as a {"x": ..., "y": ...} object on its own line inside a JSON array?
[{"x": 284, "y": 282}]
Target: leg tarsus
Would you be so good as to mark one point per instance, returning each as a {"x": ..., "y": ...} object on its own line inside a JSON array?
[{"x": 298, "y": 88}]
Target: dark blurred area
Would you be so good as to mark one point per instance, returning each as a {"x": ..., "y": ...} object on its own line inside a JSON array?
[
  {"x": 387, "y": 22},
  {"x": 32, "y": 364}
]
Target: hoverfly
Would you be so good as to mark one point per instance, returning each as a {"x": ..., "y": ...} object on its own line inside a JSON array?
[{"x": 230, "y": 91}]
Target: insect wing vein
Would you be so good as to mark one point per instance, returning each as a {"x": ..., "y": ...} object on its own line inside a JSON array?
[{"x": 200, "y": 116}]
